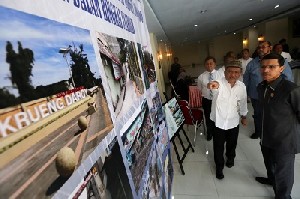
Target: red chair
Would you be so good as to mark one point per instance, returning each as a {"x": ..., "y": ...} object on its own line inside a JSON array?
[
  {"x": 193, "y": 117},
  {"x": 195, "y": 97}
]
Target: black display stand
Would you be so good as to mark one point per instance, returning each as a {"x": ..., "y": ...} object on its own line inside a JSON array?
[
  {"x": 185, "y": 149},
  {"x": 175, "y": 122}
]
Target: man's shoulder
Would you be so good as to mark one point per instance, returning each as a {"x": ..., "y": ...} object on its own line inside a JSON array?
[
  {"x": 288, "y": 84},
  {"x": 204, "y": 73},
  {"x": 240, "y": 83},
  {"x": 254, "y": 61},
  {"x": 176, "y": 65},
  {"x": 262, "y": 84}
]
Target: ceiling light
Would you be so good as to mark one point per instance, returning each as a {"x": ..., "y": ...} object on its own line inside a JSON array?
[
  {"x": 250, "y": 19},
  {"x": 195, "y": 25},
  {"x": 225, "y": 31},
  {"x": 254, "y": 26},
  {"x": 234, "y": 33},
  {"x": 161, "y": 40},
  {"x": 277, "y": 6}
]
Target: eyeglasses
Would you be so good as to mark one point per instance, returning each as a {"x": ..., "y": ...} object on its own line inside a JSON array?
[
  {"x": 263, "y": 47},
  {"x": 268, "y": 66}
]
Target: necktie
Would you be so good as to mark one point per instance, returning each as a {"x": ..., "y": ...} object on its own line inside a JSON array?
[
  {"x": 267, "y": 94},
  {"x": 210, "y": 78}
]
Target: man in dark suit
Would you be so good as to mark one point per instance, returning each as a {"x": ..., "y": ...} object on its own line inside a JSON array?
[
  {"x": 279, "y": 100},
  {"x": 173, "y": 74}
]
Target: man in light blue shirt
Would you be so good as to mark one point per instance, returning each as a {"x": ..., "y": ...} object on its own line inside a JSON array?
[{"x": 252, "y": 77}]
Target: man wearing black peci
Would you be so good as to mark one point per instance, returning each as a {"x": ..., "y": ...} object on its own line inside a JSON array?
[{"x": 279, "y": 100}]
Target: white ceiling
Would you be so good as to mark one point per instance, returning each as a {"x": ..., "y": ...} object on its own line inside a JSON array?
[{"x": 173, "y": 20}]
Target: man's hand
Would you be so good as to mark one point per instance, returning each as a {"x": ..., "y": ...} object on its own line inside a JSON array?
[
  {"x": 244, "y": 121},
  {"x": 213, "y": 85}
]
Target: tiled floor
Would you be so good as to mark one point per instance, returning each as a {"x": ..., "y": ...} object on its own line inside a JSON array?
[{"x": 199, "y": 181}]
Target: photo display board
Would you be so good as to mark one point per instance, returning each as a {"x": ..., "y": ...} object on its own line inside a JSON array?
[
  {"x": 174, "y": 116},
  {"x": 80, "y": 111}
]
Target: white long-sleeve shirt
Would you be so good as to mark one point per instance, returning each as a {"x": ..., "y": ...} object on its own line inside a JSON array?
[
  {"x": 244, "y": 65},
  {"x": 228, "y": 104},
  {"x": 286, "y": 56},
  {"x": 203, "y": 80}
]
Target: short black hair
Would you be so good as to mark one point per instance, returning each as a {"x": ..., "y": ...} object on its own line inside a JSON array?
[
  {"x": 245, "y": 49},
  {"x": 210, "y": 57},
  {"x": 280, "y": 59},
  {"x": 276, "y": 45},
  {"x": 282, "y": 40},
  {"x": 268, "y": 42}
]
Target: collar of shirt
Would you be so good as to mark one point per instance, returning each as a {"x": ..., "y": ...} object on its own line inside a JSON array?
[
  {"x": 273, "y": 84},
  {"x": 212, "y": 72},
  {"x": 237, "y": 83}
]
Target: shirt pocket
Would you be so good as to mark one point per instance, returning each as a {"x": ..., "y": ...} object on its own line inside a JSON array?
[{"x": 226, "y": 106}]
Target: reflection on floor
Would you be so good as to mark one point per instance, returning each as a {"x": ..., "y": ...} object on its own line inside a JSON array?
[{"x": 199, "y": 181}]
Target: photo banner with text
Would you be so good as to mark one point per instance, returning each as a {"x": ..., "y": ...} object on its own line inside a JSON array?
[{"x": 80, "y": 111}]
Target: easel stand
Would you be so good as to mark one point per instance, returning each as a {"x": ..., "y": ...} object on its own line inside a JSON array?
[{"x": 185, "y": 150}]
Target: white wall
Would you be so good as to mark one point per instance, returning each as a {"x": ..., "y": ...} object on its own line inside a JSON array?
[
  {"x": 276, "y": 30},
  {"x": 223, "y": 44},
  {"x": 189, "y": 54},
  {"x": 253, "y": 41},
  {"x": 159, "y": 71},
  {"x": 197, "y": 52},
  {"x": 281, "y": 28}
]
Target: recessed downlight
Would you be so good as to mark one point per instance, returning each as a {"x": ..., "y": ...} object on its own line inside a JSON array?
[
  {"x": 250, "y": 19},
  {"x": 195, "y": 25},
  {"x": 277, "y": 6}
]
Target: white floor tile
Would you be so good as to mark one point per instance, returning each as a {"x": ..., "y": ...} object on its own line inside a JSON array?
[
  {"x": 193, "y": 197},
  {"x": 251, "y": 149},
  {"x": 239, "y": 181},
  {"x": 198, "y": 180}
]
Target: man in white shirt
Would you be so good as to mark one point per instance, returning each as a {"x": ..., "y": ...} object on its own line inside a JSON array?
[
  {"x": 229, "y": 104},
  {"x": 209, "y": 75},
  {"x": 244, "y": 60},
  {"x": 278, "y": 49}
]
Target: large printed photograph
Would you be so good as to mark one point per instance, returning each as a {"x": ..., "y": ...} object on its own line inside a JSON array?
[
  {"x": 122, "y": 71},
  {"x": 107, "y": 179},
  {"x": 137, "y": 142},
  {"x": 152, "y": 188},
  {"x": 158, "y": 118},
  {"x": 147, "y": 65},
  {"x": 53, "y": 110}
]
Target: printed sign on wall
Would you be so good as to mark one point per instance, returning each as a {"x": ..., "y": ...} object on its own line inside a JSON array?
[{"x": 80, "y": 112}]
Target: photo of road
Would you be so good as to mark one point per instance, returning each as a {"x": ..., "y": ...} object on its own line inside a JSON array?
[
  {"x": 52, "y": 98},
  {"x": 138, "y": 141},
  {"x": 122, "y": 72},
  {"x": 80, "y": 110},
  {"x": 32, "y": 172},
  {"x": 106, "y": 180}
]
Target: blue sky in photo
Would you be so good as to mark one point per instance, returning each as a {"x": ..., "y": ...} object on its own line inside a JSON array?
[{"x": 45, "y": 37}]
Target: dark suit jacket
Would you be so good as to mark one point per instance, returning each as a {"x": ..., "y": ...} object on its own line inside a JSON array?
[{"x": 280, "y": 107}]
